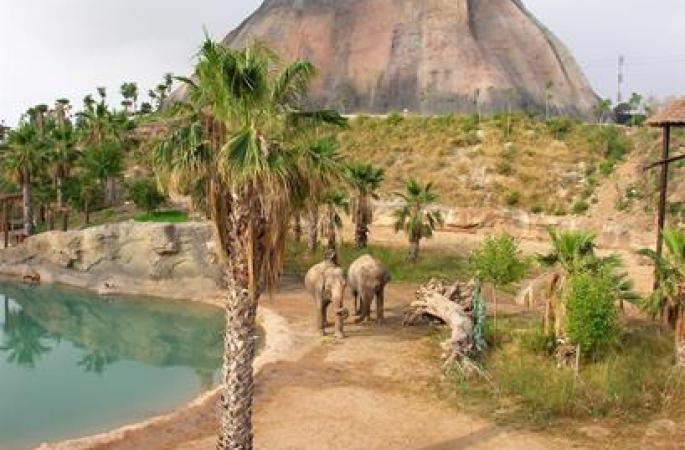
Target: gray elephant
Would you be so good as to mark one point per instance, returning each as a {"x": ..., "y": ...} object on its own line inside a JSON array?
[
  {"x": 326, "y": 283},
  {"x": 367, "y": 278}
]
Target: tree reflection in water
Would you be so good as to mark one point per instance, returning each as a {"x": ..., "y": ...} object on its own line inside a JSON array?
[{"x": 156, "y": 333}]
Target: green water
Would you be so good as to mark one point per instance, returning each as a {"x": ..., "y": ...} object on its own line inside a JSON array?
[{"x": 73, "y": 364}]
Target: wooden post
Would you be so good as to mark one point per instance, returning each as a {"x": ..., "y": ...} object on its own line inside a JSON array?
[
  {"x": 5, "y": 224},
  {"x": 663, "y": 192}
]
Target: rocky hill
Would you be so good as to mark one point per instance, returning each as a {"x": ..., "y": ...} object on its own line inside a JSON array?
[{"x": 426, "y": 56}]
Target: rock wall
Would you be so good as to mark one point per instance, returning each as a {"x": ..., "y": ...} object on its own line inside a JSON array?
[
  {"x": 162, "y": 260},
  {"x": 612, "y": 233},
  {"x": 428, "y": 56}
]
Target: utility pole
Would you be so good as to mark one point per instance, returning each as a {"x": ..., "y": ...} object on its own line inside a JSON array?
[{"x": 621, "y": 64}]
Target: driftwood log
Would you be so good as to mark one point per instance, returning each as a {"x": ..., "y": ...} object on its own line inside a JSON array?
[{"x": 452, "y": 305}]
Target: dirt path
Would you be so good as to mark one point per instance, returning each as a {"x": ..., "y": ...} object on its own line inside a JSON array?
[{"x": 370, "y": 391}]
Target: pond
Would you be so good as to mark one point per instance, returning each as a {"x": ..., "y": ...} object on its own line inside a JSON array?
[{"x": 74, "y": 364}]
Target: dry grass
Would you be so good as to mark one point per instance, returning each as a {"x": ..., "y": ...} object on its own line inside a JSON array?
[{"x": 495, "y": 163}]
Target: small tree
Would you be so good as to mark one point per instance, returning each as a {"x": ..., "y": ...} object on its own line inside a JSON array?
[
  {"x": 145, "y": 194},
  {"x": 669, "y": 299},
  {"x": 415, "y": 217},
  {"x": 335, "y": 202},
  {"x": 592, "y": 317},
  {"x": 498, "y": 261},
  {"x": 365, "y": 180}
]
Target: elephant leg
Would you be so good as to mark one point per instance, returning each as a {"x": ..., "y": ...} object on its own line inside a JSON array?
[
  {"x": 380, "y": 312},
  {"x": 357, "y": 307},
  {"x": 319, "y": 320},
  {"x": 365, "y": 308},
  {"x": 325, "y": 323},
  {"x": 340, "y": 315}
]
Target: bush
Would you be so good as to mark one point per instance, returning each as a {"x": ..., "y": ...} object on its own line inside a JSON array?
[
  {"x": 394, "y": 118},
  {"x": 592, "y": 318},
  {"x": 560, "y": 127},
  {"x": 505, "y": 168},
  {"x": 607, "y": 167},
  {"x": 580, "y": 207},
  {"x": 513, "y": 198},
  {"x": 145, "y": 194}
]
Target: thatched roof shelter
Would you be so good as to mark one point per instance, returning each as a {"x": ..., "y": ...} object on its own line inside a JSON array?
[{"x": 672, "y": 115}]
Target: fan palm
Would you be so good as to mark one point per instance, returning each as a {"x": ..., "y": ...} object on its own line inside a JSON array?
[
  {"x": 130, "y": 93},
  {"x": 323, "y": 163},
  {"x": 335, "y": 202},
  {"x": 669, "y": 298},
  {"x": 63, "y": 155},
  {"x": 365, "y": 179},
  {"x": 415, "y": 216},
  {"x": 23, "y": 156},
  {"x": 241, "y": 105},
  {"x": 573, "y": 252}
]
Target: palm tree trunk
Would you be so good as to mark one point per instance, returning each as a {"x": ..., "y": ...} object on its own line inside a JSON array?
[
  {"x": 238, "y": 383},
  {"x": 86, "y": 210},
  {"x": 313, "y": 229},
  {"x": 680, "y": 338},
  {"x": 331, "y": 245},
  {"x": 297, "y": 227},
  {"x": 110, "y": 187},
  {"x": 414, "y": 250},
  {"x": 60, "y": 191},
  {"x": 361, "y": 230},
  {"x": 26, "y": 190},
  {"x": 494, "y": 323}
]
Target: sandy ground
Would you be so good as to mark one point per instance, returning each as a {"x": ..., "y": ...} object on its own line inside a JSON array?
[
  {"x": 371, "y": 391},
  {"x": 374, "y": 390}
]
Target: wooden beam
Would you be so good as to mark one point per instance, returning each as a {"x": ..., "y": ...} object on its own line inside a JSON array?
[
  {"x": 663, "y": 190},
  {"x": 665, "y": 161}
]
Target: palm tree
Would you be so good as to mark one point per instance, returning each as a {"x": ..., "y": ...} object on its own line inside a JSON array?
[
  {"x": 105, "y": 163},
  {"x": 573, "y": 252},
  {"x": 335, "y": 202},
  {"x": 129, "y": 91},
  {"x": 415, "y": 217},
  {"x": 365, "y": 179},
  {"x": 63, "y": 155},
  {"x": 242, "y": 101},
  {"x": 323, "y": 163},
  {"x": 669, "y": 298},
  {"x": 22, "y": 157}
]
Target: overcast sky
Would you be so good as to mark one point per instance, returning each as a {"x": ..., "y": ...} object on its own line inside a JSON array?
[{"x": 66, "y": 48}]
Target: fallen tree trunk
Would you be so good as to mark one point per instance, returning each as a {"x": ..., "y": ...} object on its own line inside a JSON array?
[{"x": 452, "y": 305}]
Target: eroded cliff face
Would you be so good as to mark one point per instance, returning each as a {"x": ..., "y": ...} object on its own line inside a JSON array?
[
  {"x": 427, "y": 56},
  {"x": 162, "y": 260}
]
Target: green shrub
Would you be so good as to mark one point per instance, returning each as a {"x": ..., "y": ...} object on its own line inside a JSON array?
[
  {"x": 467, "y": 139},
  {"x": 394, "y": 118},
  {"x": 592, "y": 318},
  {"x": 560, "y": 127},
  {"x": 580, "y": 207},
  {"x": 505, "y": 168},
  {"x": 537, "y": 209},
  {"x": 607, "y": 167},
  {"x": 145, "y": 194},
  {"x": 513, "y": 198}
]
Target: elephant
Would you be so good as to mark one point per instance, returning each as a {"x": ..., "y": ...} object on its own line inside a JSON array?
[
  {"x": 326, "y": 283},
  {"x": 367, "y": 278}
]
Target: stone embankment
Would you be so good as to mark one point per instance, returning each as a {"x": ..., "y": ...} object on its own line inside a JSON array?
[
  {"x": 162, "y": 260},
  {"x": 612, "y": 232}
]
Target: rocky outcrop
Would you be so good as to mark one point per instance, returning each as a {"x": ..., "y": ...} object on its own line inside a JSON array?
[
  {"x": 427, "y": 56},
  {"x": 163, "y": 260}
]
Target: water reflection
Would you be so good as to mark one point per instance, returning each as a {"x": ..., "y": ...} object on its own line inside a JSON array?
[
  {"x": 73, "y": 364},
  {"x": 160, "y": 334}
]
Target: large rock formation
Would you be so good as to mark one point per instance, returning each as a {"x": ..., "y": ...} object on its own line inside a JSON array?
[
  {"x": 162, "y": 260},
  {"x": 427, "y": 56}
]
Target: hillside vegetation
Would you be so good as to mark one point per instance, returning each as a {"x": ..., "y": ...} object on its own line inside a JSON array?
[{"x": 498, "y": 161}]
